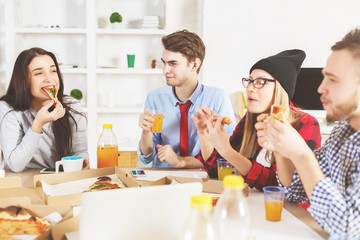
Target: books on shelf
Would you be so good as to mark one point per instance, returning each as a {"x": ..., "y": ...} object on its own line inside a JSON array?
[{"x": 151, "y": 22}]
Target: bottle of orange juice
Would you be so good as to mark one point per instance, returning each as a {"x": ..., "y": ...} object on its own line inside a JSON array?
[{"x": 107, "y": 148}]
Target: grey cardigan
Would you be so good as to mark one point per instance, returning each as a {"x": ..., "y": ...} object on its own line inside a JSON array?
[{"x": 22, "y": 148}]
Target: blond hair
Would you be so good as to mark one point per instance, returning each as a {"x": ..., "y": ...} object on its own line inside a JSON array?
[{"x": 249, "y": 143}]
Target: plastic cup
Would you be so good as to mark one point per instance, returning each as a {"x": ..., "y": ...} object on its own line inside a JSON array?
[
  {"x": 158, "y": 116},
  {"x": 131, "y": 60},
  {"x": 224, "y": 168},
  {"x": 274, "y": 201}
]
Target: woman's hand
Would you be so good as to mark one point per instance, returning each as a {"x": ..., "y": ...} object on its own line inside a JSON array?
[
  {"x": 201, "y": 118},
  {"x": 43, "y": 116},
  {"x": 216, "y": 134},
  {"x": 280, "y": 137}
]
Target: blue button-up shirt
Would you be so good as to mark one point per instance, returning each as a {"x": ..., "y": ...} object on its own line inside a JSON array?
[
  {"x": 335, "y": 201},
  {"x": 164, "y": 99}
]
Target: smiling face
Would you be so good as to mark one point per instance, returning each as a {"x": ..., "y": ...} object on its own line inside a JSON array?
[
  {"x": 260, "y": 100},
  {"x": 42, "y": 73},
  {"x": 177, "y": 69},
  {"x": 340, "y": 87}
]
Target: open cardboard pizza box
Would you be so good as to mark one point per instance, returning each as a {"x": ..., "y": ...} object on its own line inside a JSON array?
[
  {"x": 10, "y": 182},
  {"x": 209, "y": 185},
  {"x": 74, "y": 199},
  {"x": 43, "y": 211}
]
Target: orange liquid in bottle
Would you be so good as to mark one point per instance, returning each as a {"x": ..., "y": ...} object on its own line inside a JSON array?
[
  {"x": 273, "y": 211},
  {"x": 107, "y": 156}
]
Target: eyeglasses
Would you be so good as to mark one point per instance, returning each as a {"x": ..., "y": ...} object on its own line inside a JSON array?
[{"x": 257, "y": 82}]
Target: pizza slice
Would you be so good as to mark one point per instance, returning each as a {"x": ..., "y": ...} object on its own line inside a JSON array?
[
  {"x": 226, "y": 120},
  {"x": 52, "y": 92},
  {"x": 103, "y": 183},
  {"x": 278, "y": 112},
  {"x": 18, "y": 221}
]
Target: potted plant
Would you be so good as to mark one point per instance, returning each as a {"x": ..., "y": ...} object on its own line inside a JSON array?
[
  {"x": 77, "y": 94},
  {"x": 115, "y": 19}
]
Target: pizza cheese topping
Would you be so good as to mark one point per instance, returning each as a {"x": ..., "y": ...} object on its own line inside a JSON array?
[
  {"x": 51, "y": 91},
  {"x": 278, "y": 112},
  {"x": 16, "y": 220},
  {"x": 103, "y": 183}
]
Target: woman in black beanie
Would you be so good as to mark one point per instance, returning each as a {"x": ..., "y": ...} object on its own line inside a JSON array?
[{"x": 271, "y": 82}]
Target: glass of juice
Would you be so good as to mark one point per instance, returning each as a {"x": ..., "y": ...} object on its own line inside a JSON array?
[
  {"x": 274, "y": 201},
  {"x": 158, "y": 116},
  {"x": 224, "y": 168},
  {"x": 107, "y": 156}
]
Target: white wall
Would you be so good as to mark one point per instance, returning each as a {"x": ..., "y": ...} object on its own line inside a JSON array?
[{"x": 237, "y": 33}]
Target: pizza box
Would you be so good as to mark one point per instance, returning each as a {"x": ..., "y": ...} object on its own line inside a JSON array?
[
  {"x": 74, "y": 199},
  {"x": 10, "y": 182},
  {"x": 70, "y": 225},
  {"x": 209, "y": 185},
  {"x": 17, "y": 195},
  {"x": 43, "y": 211}
]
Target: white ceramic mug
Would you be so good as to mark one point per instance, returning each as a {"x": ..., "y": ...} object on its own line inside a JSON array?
[{"x": 70, "y": 164}]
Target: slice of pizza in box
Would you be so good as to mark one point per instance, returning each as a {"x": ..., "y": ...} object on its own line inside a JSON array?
[
  {"x": 66, "y": 188},
  {"x": 30, "y": 221}
]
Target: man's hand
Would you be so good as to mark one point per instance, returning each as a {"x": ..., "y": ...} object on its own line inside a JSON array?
[
  {"x": 146, "y": 121},
  {"x": 167, "y": 154}
]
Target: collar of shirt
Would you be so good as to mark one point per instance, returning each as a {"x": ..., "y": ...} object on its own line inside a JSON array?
[{"x": 192, "y": 98}]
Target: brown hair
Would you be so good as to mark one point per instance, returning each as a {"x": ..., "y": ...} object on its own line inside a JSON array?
[
  {"x": 189, "y": 44},
  {"x": 19, "y": 96},
  {"x": 351, "y": 41}
]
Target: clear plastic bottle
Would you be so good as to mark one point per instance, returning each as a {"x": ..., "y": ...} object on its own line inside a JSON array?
[
  {"x": 107, "y": 148},
  {"x": 231, "y": 213},
  {"x": 199, "y": 225}
]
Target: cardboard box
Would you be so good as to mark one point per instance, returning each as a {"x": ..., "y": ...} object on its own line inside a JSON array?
[
  {"x": 209, "y": 185},
  {"x": 74, "y": 199},
  {"x": 35, "y": 195},
  {"x": 43, "y": 211},
  {"x": 10, "y": 182}
]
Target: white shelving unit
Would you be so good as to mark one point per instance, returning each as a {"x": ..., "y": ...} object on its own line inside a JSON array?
[{"x": 79, "y": 33}]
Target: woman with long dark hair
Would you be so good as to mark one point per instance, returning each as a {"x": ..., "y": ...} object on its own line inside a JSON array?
[{"x": 35, "y": 130}]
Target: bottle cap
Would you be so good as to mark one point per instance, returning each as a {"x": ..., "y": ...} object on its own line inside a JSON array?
[
  {"x": 201, "y": 202},
  {"x": 107, "y": 125},
  {"x": 233, "y": 182}
]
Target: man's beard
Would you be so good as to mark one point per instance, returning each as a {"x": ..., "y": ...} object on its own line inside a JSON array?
[{"x": 344, "y": 110}]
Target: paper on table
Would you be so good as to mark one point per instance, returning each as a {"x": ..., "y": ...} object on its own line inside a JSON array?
[
  {"x": 153, "y": 175},
  {"x": 73, "y": 187}
]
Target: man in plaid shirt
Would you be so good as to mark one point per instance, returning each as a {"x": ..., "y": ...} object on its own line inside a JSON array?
[{"x": 330, "y": 178}]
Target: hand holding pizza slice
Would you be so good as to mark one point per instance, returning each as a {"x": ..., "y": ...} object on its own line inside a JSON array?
[
  {"x": 52, "y": 92},
  {"x": 278, "y": 112}
]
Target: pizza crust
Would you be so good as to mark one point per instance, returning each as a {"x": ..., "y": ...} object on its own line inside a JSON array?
[
  {"x": 17, "y": 220},
  {"x": 225, "y": 120}
]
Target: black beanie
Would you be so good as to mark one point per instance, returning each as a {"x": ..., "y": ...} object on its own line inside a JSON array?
[{"x": 284, "y": 67}]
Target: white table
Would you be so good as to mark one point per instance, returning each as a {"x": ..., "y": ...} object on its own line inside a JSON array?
[{"x": 290, "y": 226}]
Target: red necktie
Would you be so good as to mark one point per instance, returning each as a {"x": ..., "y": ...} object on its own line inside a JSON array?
[{"x": 184, "y": 131}]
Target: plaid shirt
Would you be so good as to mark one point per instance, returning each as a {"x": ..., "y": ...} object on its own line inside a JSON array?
[
  {"x": 335, "y": 201},
  {"x": 260, "y": 176}
]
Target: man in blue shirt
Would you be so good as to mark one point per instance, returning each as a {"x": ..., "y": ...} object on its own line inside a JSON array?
[
  {"x": 182, "y": 58},
  {"x": 330, "y": 178}
]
